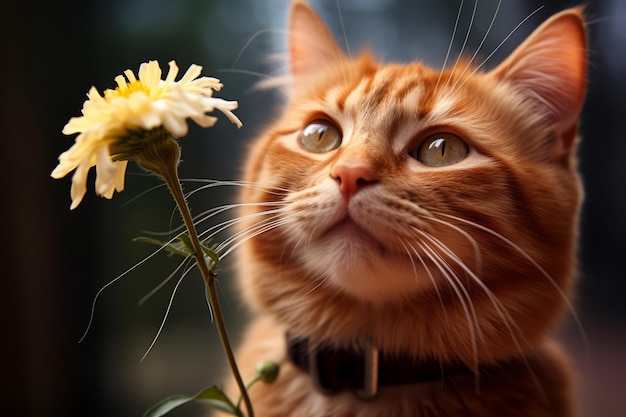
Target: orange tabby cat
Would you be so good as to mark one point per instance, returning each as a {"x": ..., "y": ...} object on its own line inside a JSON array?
[{"x": 415, "y": 231}]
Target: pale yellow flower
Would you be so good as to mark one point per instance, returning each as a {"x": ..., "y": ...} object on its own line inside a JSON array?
[{"x": 135, "y": 107}]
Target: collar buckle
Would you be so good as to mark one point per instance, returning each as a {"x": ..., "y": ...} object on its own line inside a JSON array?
[
  {"x": 359, "y": 371},
  {"x": 370, "y": 374}
]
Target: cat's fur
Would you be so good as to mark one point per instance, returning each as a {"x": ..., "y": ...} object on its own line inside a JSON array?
[{"x": 365, "y": 244}]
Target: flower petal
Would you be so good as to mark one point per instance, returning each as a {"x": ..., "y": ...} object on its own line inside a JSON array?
[
  {"x": 121, "y": 83},
  {"x": 223, "y": 106},
  {"x": 173, "y": 72},
  {"x": 120, "y": 175},
  {"x": 150, "y": 74},
  {"x": 130, "y": 76},
  {"x": 175, "y": 125},
  {"x": 105, "y": 173},
  {"x": 79, "y": 184},
  {"x": 191, "y": 74}
]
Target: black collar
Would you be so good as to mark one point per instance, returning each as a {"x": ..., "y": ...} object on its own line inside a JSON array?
[{"x": 364, "y": 370}]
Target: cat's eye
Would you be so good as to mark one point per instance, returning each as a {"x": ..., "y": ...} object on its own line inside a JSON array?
[
  {"x": 320, "y": 136},
  {"x": 441, "y": 149}
]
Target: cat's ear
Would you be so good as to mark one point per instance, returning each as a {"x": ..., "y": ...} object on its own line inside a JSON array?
[
  {"x": 550, "y": 66},
  {"x": 311, "y": 44}
]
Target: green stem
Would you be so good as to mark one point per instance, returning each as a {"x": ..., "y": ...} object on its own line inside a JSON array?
[
  {"x": 253, "y": 381},
  {"x": 170, "y": 176},
  {"x": 221, "y": 328}
]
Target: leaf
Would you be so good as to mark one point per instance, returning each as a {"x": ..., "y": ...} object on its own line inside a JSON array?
[
  {"x": 186, "y": 240},
  {"x": 184, "y": 247},
  {"x": 217, "y": 399},
  {"x": 175, "y": 249},
  {"x": 167, "y": 405},
  {"x": 213, "y": 396},
  {"x": 208, "y": 252}
]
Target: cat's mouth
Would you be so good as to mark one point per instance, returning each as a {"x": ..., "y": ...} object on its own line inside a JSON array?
[{"x": 357, "y": 234}]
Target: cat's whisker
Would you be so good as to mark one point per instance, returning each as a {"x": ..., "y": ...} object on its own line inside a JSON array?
[
  {"x": 248, "y": 231},
  {"x": 268, "y": 80},
  {"x": 211, "y": 232},
  {"x": 470, "y": 239},
  {"x": 113, "y": 281},
  {"x": 197, "y": 219},
  {"x": 225, "y": 251},
  {"x": 299, "y": 242},
  {"x": 167, "y": 311},
  {"x": 506, "y": 318},
  {"x": 208, "y": 214},
  {"x": 205, "y": 215},
  {"x": 428, "y": 272},
  {"x": 212, "y": 212},
  {"x": 469, "y": 64},
  {"x": 146, "y": 297},
  {"x": 461, "y": 293},
  {"x": 497, "y": 48},
  {"x": 410, "y": 255},
  {"x": 343, "y": 30},
  {"x": 562, "y": 294},
  {"x": 249, "y": 42},
  {"x": 256, "y": 74},
  {"x": 216, "y": 229},
  {"x": 469, "y": 30},
  {"x": 445, "y": 61},
  {"x": 208, "y": 183},
  {"x": 303, "y": 238},
  {"x": 285, "y": 231},
  {"x": 319, "y": 282},
  {"x": 255, "y": 230},
  {"x": 138, "y": 196}
]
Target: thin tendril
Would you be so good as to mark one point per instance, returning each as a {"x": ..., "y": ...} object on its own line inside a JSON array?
[
  {"x": 113, "y": 281},
  {"x": 167, "y": 313}
]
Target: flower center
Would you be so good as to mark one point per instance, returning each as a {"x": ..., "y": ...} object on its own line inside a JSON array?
[{"x": 130, "y": 89}]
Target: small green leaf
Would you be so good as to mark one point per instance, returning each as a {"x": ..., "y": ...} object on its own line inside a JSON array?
[
  {"x": 167, "y": 405},
  {"x": 212, "y": 393},
  {"x": 186, "y": 240},
  {"x": 176, "y": 249},
  {"x": 217, "y": 399},
  {"x": 213, "y": 396},
  {"x": 208, "y": 252},
  {"x": 183, "y": 247}
]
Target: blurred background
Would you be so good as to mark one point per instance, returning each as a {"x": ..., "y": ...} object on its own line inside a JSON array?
[{"x": 55, "y": 260}]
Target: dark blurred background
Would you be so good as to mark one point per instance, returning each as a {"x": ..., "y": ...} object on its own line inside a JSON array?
[{"x": 56, "y": 260}]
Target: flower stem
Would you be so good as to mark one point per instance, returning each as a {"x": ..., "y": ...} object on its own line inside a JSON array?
[{"x": 169, "y": 172}]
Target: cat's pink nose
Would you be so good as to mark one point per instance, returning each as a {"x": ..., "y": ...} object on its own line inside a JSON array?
[{"x": 351, "y": 177}]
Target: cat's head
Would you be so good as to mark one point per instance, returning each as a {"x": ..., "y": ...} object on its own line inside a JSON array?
[{"x": 451, "y": 195}]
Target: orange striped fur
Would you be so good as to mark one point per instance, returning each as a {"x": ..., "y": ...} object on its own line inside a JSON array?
[{"x": 473, "y": 261}]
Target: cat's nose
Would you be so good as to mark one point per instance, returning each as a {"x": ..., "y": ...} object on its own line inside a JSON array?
[{"x": 351, "y": 177}]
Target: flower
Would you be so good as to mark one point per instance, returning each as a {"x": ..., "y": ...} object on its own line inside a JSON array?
[{"x": 135, "y": 108}]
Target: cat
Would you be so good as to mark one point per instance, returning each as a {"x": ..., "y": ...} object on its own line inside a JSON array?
[{"x": 413, "y": 231}]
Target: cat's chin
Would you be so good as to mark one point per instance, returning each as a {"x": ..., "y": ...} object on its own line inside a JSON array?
[{"x": 354, "y": 262}]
